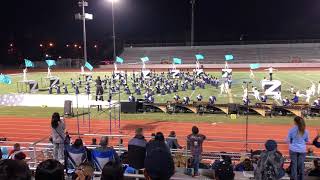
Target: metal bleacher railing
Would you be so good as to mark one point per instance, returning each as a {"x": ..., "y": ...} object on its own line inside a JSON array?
[{"x": 41, "y": 150}]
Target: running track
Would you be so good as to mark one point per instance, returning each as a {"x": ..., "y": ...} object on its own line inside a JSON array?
[{"x": 30, "y": 130}]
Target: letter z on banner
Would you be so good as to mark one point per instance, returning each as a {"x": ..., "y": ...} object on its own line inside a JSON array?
[{"x": 271, "y": 88}]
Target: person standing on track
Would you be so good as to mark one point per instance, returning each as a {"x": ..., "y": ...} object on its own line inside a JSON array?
[
  {"x": 58, "y": 136},
  {"x": 297, "y": 138}
]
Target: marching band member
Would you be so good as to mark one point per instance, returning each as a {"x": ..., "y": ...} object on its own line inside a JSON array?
[
  {"x": 318, "y": 88},
  {"x": 264, "y": 98},
  {"x": 212, "y": 100},
  {"x": 132, "y": 98},
  {"x": 199, "y": 97},
  {"x": 295, "y": 99},
  {"x": 313, "y": 89},
  {"x": 222, "y": 89},
  {"x": 316, "y": 102},
  {"x": 151, "y": 99},
  {"x": 308, "y": 94},
  {"x": 176, "y": 97},
  {"x": 186, "y": 100},
  {"x": 285, "y": 101}
]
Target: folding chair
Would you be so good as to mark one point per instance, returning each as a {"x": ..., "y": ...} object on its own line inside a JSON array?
[{"x": 101, "y": 158}]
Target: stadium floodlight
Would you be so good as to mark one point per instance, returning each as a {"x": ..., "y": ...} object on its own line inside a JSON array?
[{"x": 113, "y": 29}]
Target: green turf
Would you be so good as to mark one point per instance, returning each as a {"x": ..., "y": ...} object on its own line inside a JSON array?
[{"x": 298, "y": 79}]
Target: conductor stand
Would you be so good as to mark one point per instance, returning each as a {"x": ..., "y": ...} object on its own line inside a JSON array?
[{"x": 246, "y": 103}]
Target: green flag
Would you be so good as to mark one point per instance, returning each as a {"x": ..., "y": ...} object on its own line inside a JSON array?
[
  {"x": 28, "y": 63},
  {"x": 119, "y": 60},
  {"x": 89, "y": 66},
  {"x": 177, "y": 61}
]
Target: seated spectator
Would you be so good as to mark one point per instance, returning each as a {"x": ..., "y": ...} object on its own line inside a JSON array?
[
  {"x": 94, "y": 141},
  {"x": 158, "y": 163},
  {"x": 85, "y": 171},
  {"x": 76, "y": 154},
  {"x": 195, "y": 141},
  {"x": 315, "y": 141},
  {"x": 14, "y": 170},
  {"x": 112, "y": 171},
  {"x": 158, "y": 142},
  {"x": 316, "y": 170},
  {"x": 224, "y": 170},
  {"x": 172, "y": 141},
  {"x": 244, "y": 165},
  {"x": 153, "y": 135},
  {"x": 50, "y": 169},
  {"x": 137, "y": 150},
  {"x": 16, "y": 153},
  {"x": 270, "y": 164},
  {"x": 224, "y": 158},
  {"x": 103, "y": 154}
]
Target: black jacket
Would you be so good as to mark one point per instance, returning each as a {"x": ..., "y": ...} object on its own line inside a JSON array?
[{"x": 137, "y": 152}]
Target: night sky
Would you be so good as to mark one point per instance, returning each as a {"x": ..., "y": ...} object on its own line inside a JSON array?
[{"x": 144, "y": 21}]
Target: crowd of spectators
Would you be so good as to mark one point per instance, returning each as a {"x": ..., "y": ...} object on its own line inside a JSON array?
[{"x": 154, "y": 158}]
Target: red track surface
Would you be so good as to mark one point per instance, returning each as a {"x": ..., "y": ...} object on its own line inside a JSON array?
[{"x": 30, "y": 130}]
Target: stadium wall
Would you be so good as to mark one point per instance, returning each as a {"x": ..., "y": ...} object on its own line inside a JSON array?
[{"x": 208, "y": 67}]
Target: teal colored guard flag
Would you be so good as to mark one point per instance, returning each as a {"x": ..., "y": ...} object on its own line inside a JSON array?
[
  {"x": 177, "y": 61},
  {"x": 254, "y": 66},
  {"x": 28, "y": 63},
  {"x": 51, "y": 62},
  {"x": 229, "y": 57},
  {"x": 199, "y": 57},
  {"x": 5, "y": 79},
  {"x": 144, "y": 59},
  {"x": 89, "y": 66},
  {"x": 119, "y": 60}
]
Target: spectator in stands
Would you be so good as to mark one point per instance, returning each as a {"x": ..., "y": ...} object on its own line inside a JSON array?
[
  {"x": 270, "y": 164},
  {"x": 94, "y": 141},
  {"x": 315, "y": 141},
  {"x": 85, "y": 171},
  {"x": 77, "y": 152},
  {"x": 137, "y": 150},
  {"x": 172, "y": 141},
  {"x": 194, "y": 143},
  {"x": 104, "y": 141},
  {"x": 14, "y": 170},
  {"x": 244, "y": 165},
  {"x": 153, "y": 135},
  {"x": 316, "y": 170},
  {"x": 58, "y": 136},
  {"x": 112, "y": 171},
  {"x": 50, "y": 169},
  {"x": 297, "y": 138},
  {"x": 158, "y": 163},
  {"x": 16, "y": 153},
  {"x": 158, "y": 142},
  {"x": 224, "y": 170}
]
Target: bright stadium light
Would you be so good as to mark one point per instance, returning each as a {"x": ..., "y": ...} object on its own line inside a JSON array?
[
  {"x": 113, "y": 1},
  {"x": 50, "y": 44}
]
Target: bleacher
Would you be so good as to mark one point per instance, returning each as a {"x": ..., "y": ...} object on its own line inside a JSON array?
[
  {"x": 41, "y": 150},
  {"x": 257, "y": 53}
]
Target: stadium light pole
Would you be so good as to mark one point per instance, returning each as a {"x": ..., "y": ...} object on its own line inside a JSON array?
[
  {"x": 83, "y": 3},
  {"x": 193, "y": 2},
  {"x": 113, "y": 29}
]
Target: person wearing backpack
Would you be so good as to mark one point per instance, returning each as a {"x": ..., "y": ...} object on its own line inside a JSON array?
[
  {"x": 270, "y": 164},
  {"x": 194, "y": 142},
  {"x": 58, "y": 136},
  {"x": 298, "y": 136}
]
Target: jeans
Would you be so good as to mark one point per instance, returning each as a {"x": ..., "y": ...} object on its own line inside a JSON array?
[
  {"x": 195, "y": 163},
  {"x": 58, "y": 151},
  {"x": 297, "y": 165}
]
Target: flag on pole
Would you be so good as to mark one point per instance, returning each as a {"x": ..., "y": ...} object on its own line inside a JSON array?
[
  {"x": 199, "y": 57},
  {"x": 119, "y": 60},
  {"x": 144, "y": 59},
  {"x": 5, "y": 79},
  {"x": 254, "y": 66},
  {"x": 51, "y": 62},
  {"x": 89, "y": 66},
  {"x": 28, "y": 63},
  {"x": 177, "y": 61},
  {"x": 229, "y": 57}
]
